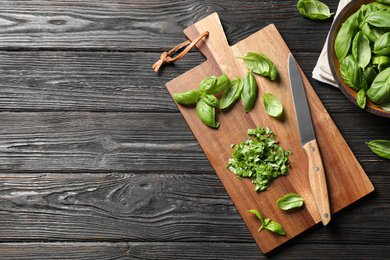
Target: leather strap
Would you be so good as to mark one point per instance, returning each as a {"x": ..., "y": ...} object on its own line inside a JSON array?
[{"x": 166, "y": 56}]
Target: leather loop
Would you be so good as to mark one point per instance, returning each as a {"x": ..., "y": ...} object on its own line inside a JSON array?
[{"x": 166, "y": 56}]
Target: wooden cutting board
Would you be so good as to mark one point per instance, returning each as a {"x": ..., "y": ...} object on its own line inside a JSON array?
[{"x": 347, "y": 182}]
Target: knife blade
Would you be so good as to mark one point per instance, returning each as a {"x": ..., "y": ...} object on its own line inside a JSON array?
[{"x": 317, "y": 176}]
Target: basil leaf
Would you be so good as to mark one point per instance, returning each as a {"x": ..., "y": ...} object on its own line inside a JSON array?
[
  {"x": 361, "y": 98},
  {"x": 231, "y": 93},
  {"x": 290, "y": 201},
  {"x": 220, "y": 84},
  {"x": 369, "y": 74},
  {"x": 381, "y": 62},
  {"x": 345, "y": 35},
  {"x": 275, "y": 227},
  {"x": 272, "y": 105},
  {"x": 249, "y": 91},
  {"x": 313, "y": 9},
  {"x": 187, "y": 98},
  {"x": 380, "y": 148},
  {"x": 351, "y": 72},
  {"x": 260, "y": 64},
  {"x": 379, "y": 18},
  {"x": 372, "y": 33},
  {"x": 210, "y": 100},
  {"x": 259, "y": 216},
  {"x": 386, "y": 106},
  {"x": 382, "y": 45},
  {"x": 207, "y": 84},
  {"x": 379, "y": 91},
  {"x": 361, "y": 50},
  {"x": 386, "y": 2},
  {"x": 206, "y": 113}
]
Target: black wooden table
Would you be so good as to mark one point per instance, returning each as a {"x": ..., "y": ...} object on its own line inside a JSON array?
[{"x": 97, "y": 162}]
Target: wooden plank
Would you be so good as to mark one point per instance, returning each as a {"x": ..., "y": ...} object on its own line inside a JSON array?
[
  {"x": 145, "y": 25},
  {"x": 118, "y": 251},
  {"x": 155, "y": 207},
  {"x": 347, "y": 182}
]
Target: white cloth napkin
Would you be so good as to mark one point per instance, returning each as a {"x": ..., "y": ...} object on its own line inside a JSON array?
[{"x": 321, "y": 71}]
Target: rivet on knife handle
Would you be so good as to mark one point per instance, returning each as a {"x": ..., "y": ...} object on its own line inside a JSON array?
[{"x": 317, "y": 181}]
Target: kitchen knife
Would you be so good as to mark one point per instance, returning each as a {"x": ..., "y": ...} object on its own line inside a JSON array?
[{"x": 317, "y": 177}]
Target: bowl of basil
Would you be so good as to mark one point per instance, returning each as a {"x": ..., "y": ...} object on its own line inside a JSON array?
[{"x": 359, "y": 54}]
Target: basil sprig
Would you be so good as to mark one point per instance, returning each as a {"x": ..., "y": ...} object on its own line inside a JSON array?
[
  {"x": 205, "y": 101},
  {"x": 290, "y": 201},
  {"x": 380, "y": 148},
  {"x": 314, "y": 9},
  {"x": 268, "y": 224}
]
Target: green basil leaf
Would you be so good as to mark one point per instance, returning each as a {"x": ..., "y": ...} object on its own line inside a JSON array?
[
  {"x": 379, "y": 91},
  {"x": 206, "y": 113},
  {"x": 345, "y": 35},
  {"x": 361, "y": 50},
  {"x": 372, "y": 33},
  {"x": 260, "y": 64},
  {"x": 249, "y": 91},
  {"x": 379, "y": 18},
  {"x": 351, "y": 72},
  {"x": 386, "y": 106},
  {"x": 314, "y": 9},
  {"x": 258, "y": 215},
  {"x": 210, "y": 100},
  {"x": 382, "y": 45},
  {"x": 381, "y": 62},
  {"x": 275, "y": 227},
  {"x": 207, "y": 84},
  {"x": 272, "y": 105},
  {"x": 220, "y": 84},
  {"x": 386, "y": 2},
  {"x": 361, "y": 98},
  {"x": 290, "y": 201},
  {"x": 231, "y": 93},
  {"x": 187, "y": 98},
  {"x": 380, "y": 148},
  {"x": 369, "y": 75}
]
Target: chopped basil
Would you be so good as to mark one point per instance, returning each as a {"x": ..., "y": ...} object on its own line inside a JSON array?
[{"x": 260, "y": 158}]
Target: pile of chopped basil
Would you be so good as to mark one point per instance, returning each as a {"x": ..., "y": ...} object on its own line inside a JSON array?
[{"x": 259, "y": 158}]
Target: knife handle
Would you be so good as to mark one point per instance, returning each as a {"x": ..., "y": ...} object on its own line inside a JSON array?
[{"x": 317, "y": 181}]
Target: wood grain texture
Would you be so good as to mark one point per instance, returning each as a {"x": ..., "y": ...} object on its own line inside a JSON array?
[
  {"x": 76, "y": 86},
  {"x": 347, "y": 182}
]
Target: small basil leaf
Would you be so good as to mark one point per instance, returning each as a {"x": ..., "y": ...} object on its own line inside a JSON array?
[
  {"x": 386, "y": 2},
  {"x": 345, "y": 35},
  {"x": 369, "y": 74},
  {"x": 313, "y": 9},
  {"x": 207, "y": 84},
  {"x": 386, "y": 106},
  {"x": 258, "y": 215},
  {"x": 221, "y": 83},
  {"x": 382, "y": 45},
  {"x": 361, "y": 50},
  {"x": 379, "y": 18},
  {"x": 380, "y": 148},
  {"x": 272, "y": 105},
  {"x": 231, "y": 93},
  {"x": 379, "y": 91},
  {"x": 381, "y": 62},
  {"x": 275, "y": 227},
  {"x": 351, "y": 72},
  {"x": 206, "y": 113},
  {"x": 249, "y": 91},
  {"x": 361, "y": 98},
  {"x": 187, "y": 98},
  {"x": 210, "y": 100},
  {"x": 260, "y": 64},
  {"x": 290, "y": 201},
  {"x": 372, "y": 33}
]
